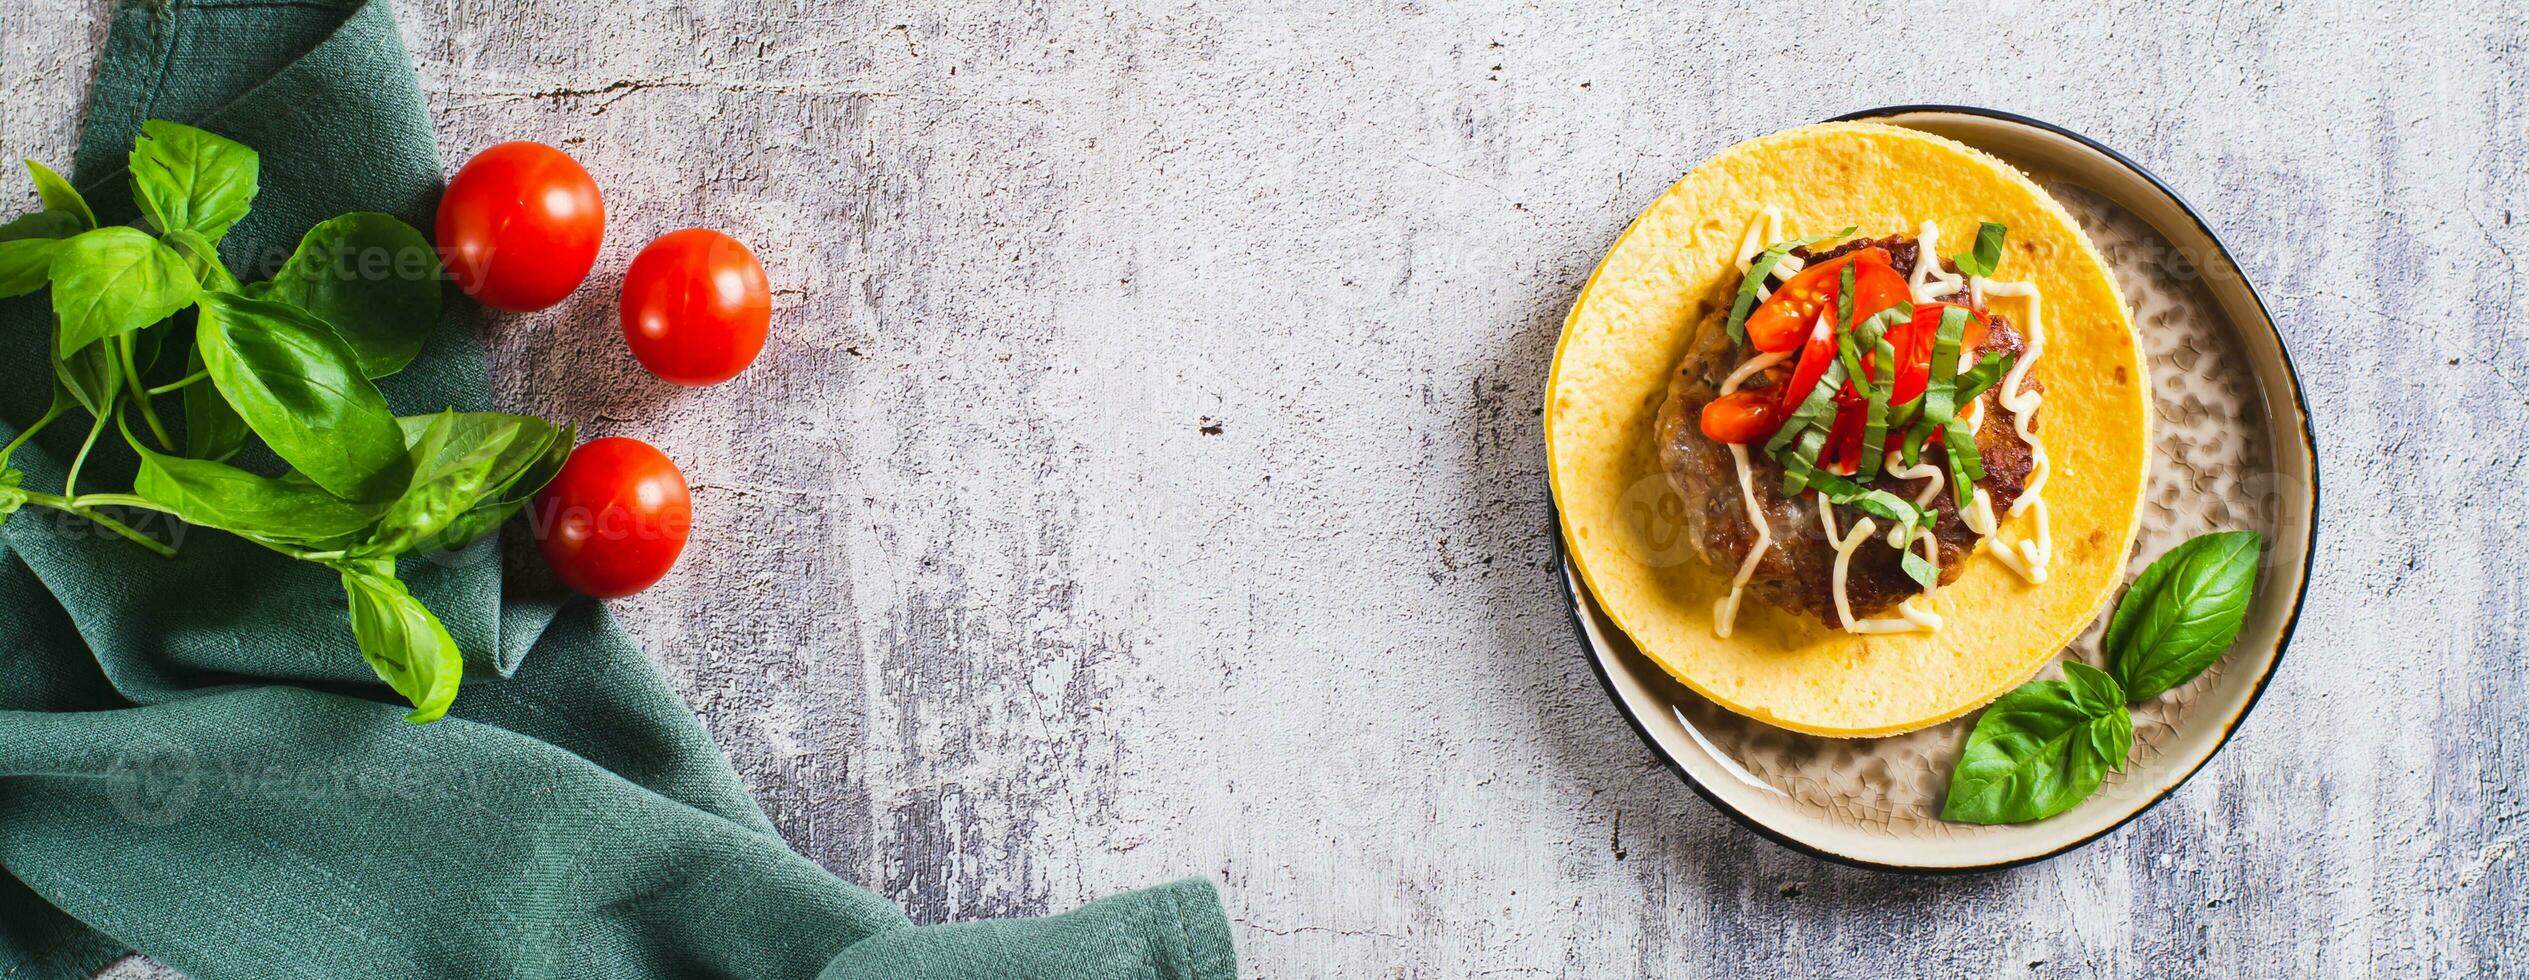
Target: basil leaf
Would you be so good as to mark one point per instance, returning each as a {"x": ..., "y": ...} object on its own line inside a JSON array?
[
  {"x": 26, "y": 249},
  {"x": 91, "y": 376},
  {"x": 187, "y": 179},
  {"x": 25, "y": 265},
  {"x": 112, "y": 281},
  {"x": 407, "y": 646},
  {"x": 374, "y": 279},
  {"x": 2183, "y": 612},
  {"x": 531, "y": 451},
  {"x": 1745, "y": 301},
  {"x": 299, "y": 387},
  {"x": 529, "y": 443},
  {"x": 58, "y": 195},
  {"x": 47, "y": 223},
  {"x": 212, "y": 429},
  {"x": 1919, "y": 568},
  {"x": 217, "y": 495},
  {"x": 451, "y": 471},
  {"x": 2041, "y": 748},
  {"x": 1987, "y": 255}
]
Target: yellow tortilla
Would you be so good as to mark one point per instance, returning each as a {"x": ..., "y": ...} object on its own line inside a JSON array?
[{"x": 1633, "y": 321}]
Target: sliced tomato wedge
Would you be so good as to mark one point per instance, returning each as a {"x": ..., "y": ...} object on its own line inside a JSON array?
[
  {"x": 1742, "y": 417},
  {"x": 1876, "y": 284},
  {"x": 1814, "y": 357},
  {"x": 1843, "y": 452},
  {"x": 1783, "y": 319},
  {"x": 1914, "y": 340}
]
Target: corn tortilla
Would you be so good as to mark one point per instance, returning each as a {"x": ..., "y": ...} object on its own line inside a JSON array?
[{"x": 1675, "y": 264}]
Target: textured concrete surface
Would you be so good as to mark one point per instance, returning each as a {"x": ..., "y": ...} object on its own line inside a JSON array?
[{"x": 1145, "y": 476}]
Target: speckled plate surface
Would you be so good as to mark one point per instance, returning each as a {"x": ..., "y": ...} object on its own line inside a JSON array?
[{"x": 2232, "y": 450}]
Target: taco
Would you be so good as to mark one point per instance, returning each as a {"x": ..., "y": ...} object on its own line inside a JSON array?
[{"x": 1827, "y": 476}]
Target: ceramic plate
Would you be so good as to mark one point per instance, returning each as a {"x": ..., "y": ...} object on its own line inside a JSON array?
[{"x": 2232, "y": 450}]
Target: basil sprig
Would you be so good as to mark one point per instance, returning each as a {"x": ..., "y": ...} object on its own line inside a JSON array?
[
  {"x": 2041, "y": 748},
  {"x": 290, "y": 363},
  {"x": 2046, "y": 745},
  {"x": 2182, "y": 612},
  {"x": 1763, "y": 265}
]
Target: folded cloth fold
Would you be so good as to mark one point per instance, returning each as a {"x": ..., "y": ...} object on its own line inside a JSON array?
[{"x": 196, "y": 763}]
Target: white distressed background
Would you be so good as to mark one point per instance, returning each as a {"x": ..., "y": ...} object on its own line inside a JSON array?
[{"x": 993, "y": 626}]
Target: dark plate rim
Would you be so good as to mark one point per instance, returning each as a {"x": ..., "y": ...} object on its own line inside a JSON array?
[{"x": 2283, "y": 638}]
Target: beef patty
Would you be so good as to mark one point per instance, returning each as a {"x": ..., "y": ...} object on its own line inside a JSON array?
[{"x": 1798, "y": 570}]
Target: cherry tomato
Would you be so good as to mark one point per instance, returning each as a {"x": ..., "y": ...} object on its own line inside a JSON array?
[
  {"x": 614, "y": 519},
  {"x": 695, "y": 306},
  {"x": 1741, "y": 417},
  {"x": 1784, "y": 317},
  {"x": 520, "y": 225}
]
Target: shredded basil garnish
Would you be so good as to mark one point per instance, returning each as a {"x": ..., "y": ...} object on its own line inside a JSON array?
[
  {"x": 1985, "y": 374},
  {"x": 1873, "y": 333},
  {"x": 1745, "y": 302},
  {"x": 1988, "y": 253},
  {"x": 1806, "y": 430},
  {"x": 1965, "y": 461},
  {"x": 1940, "y": 395},
  {"x": 1817, "y": 409},
  {"x": 1923, "y": 572},
  {"x": 1877, "y": 503},
  {"x": 1844, "y": 299},
  {"x": 1800, "y": 466}
]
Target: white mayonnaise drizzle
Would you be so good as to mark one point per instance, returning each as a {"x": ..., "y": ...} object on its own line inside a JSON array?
[
  {"x": 1725, "y": 612},
  {"x": 1909, "y": 619},
  {"x": 1929, "y": 281},
  {"x": 2034, "y": 553},
  {"x": 1764, "y": 229}
]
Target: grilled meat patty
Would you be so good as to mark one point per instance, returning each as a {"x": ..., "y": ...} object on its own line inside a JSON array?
[{"x": 1798, "y": 570}]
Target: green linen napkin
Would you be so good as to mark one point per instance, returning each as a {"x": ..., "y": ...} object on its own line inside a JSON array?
[{"x": 195, "y": 762}]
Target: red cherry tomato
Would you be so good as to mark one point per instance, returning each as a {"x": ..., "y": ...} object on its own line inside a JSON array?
[
  {"x": 1784, "y": 317},
  {"x": 520, "y": 225},
  {"x": 614, "y": 519},
  {"x": 695, "y": 305},
  {"x": 1741, "y": 417}
]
